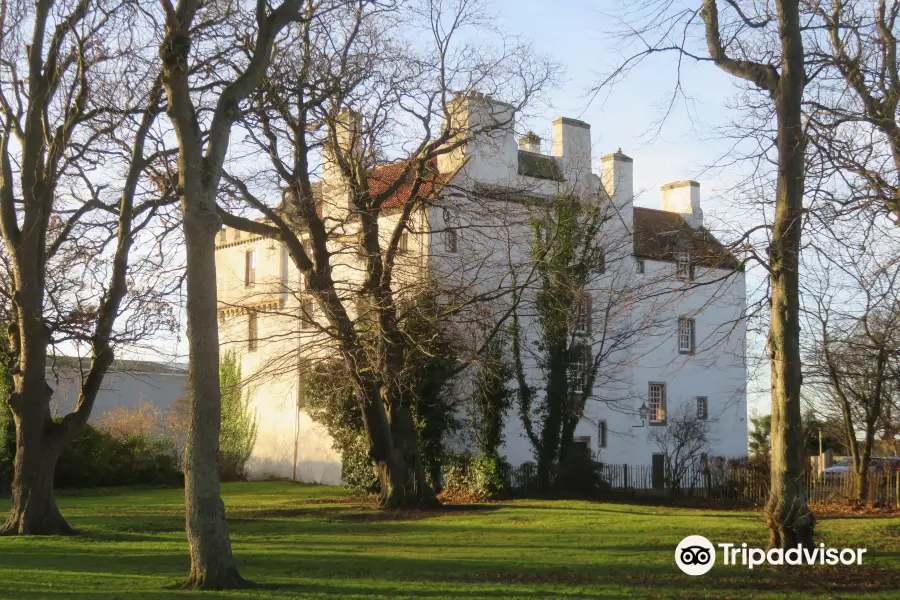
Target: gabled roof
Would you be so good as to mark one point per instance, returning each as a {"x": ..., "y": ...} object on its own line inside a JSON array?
[
  {"x": 658, "y": 233},
  {"x": 538, "y": 166}
]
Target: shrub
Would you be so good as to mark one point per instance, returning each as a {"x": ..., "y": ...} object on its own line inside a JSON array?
[
  {"x": 98, "y": 458},
  {"x": 475, "y": 477},
  {"x": 239, "y": 424},
  {"x": 331, "y": 402}
]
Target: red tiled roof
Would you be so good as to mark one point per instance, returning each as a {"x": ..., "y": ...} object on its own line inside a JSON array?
[
  {"x": 657, "y": 231},
  {"x": 385, "y": 176}
]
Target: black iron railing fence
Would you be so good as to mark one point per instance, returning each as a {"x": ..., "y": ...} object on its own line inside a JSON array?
[{"x": 728, "y": 483}]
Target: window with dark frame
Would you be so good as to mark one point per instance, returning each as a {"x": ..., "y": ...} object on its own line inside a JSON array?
[
  {"x": 581, "y": 320},
  {"x": 657, "y": 402},
  {"x": 579, "y": 368},
  {"x": 307, "y": 313},
  {"x": 702, "y": 408},
  {"x": 403, "y": 243},
  {"x": 601, "y": 434},
  {"x": 450, "y": 241},
  {"x": 250, "y": 268},
  {"x": 683, "y": 266},
  {"x": 639, "y": 266},
  {"x": 686, "y": 335},
  {"x": 252, "y": 331}
]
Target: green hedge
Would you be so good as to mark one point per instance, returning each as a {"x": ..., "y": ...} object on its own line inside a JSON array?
[{"x": 99, "y": 459}]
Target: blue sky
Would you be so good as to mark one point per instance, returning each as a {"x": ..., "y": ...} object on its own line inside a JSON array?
[{"x": 586, "y": 40}]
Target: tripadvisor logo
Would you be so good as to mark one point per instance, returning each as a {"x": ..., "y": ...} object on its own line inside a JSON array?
[{"x": 696, "y": 555}]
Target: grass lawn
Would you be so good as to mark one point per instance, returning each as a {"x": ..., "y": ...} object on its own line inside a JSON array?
[{"x": 303, "y": 541}]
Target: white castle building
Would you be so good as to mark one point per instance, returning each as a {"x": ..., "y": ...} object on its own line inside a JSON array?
[{"x": 667, "y": 313}]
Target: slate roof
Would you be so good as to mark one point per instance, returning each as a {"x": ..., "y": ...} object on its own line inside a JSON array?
[
  {"x": 538, "y": 166},
  {"x": 657, "y": 233}
]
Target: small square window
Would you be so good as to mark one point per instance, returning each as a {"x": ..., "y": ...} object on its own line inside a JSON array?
[
  {"x": 702, "y": 408},
  {"x": 686, "y": 336}
]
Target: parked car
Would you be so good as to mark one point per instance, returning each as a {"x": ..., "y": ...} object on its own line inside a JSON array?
[{"x": 845, "y": 465}]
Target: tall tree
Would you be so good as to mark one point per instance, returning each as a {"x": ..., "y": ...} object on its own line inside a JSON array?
[
  {"x": 202, "y": 146},
  {"x": 348, "y": 90},
  {"x": 852, "y": 308},
  {"x": 762, "y": 45},
  {"x": 60, "y": 215},
  {"x": 580, "y": 328},
  {"x": 783, "y": 77}
]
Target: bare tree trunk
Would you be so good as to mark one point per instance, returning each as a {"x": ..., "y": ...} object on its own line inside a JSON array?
[
  {"x": 787, "y": 512},
  {"x": 212, "y": 564},
  {"x": 34, "y": 510},
  {"x": 415, "y": 491}
]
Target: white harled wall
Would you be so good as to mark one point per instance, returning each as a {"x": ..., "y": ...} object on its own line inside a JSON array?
[{"x": 493, "y": 250}]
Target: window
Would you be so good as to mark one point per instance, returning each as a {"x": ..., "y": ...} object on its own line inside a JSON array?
[
  {"x": 639, "y": 266},
  {"x": 307, "y": 313},
  {"x": 581, "y": 319},
  {"x": 657, "y": 402},
  {"x": 403, "y": 243},
  {"x": 250, "y": 268},
  {"x": 222, "y": 236},
  {"x": 252, "y": 332},
  {"x": 683, "y": 268},
  {"x": 450, "y": 241},
  {"x": 601, "y": 434},
  {"x": 685, "y": 336},
  {"x": 579, "y": 368},
  {"x": 702, "y": 408}
]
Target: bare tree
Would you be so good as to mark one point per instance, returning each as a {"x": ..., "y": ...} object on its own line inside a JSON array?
[
  {"x": 349, "y": 93},
  {"x": 683, "y": 443},
  {"x": 202, "y": 146},
  {"x": 763, "y": 46},
  {"x": 853, "y": 102},
  {"x": 574, "y": 322},
  {"x": 76, "y": 101},
  {"x": 852, "y": 309}
]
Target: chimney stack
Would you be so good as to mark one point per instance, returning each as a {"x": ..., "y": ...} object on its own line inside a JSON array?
[
  {"x": 683, "y": 197},
  {"x": 530, "y": 142},
  {"x": 617, "y": 178}
]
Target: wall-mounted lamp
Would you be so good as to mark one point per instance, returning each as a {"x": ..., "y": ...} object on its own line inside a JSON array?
[{"x": 642, "y": 411}]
